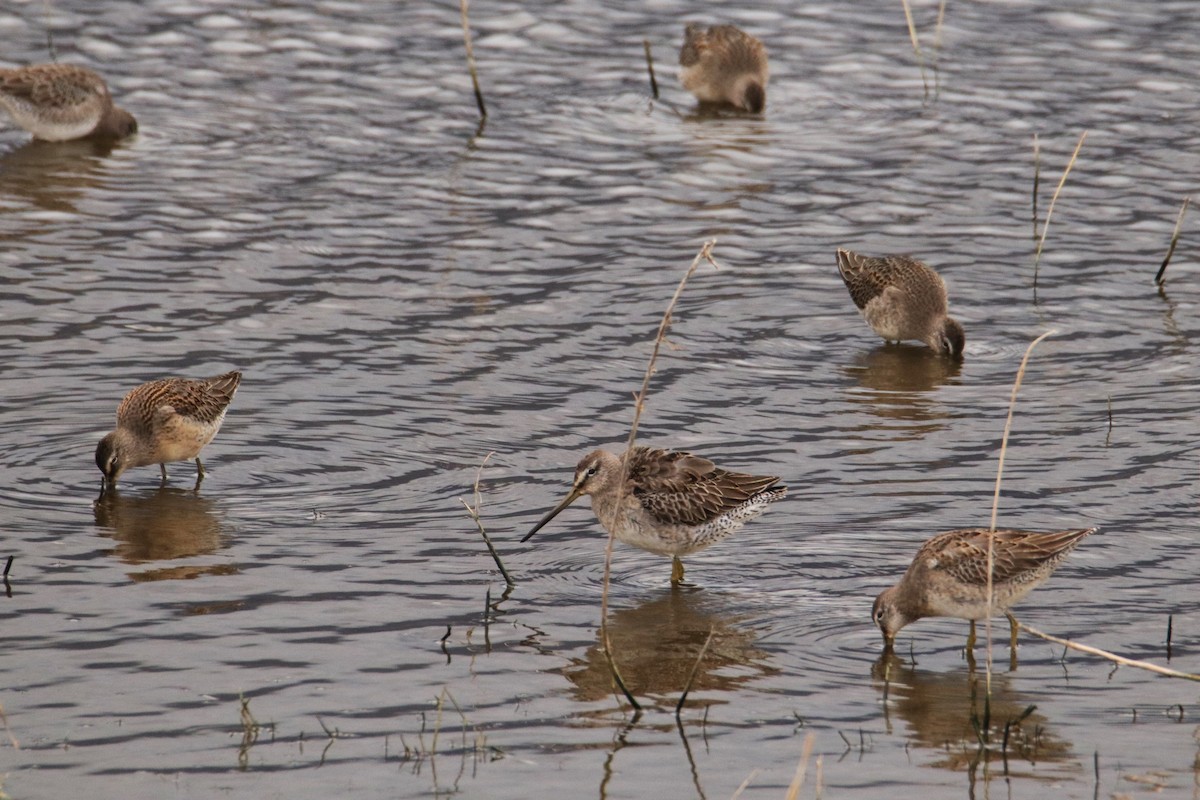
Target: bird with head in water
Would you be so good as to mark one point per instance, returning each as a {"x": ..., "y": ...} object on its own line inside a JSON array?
[
  {"x": 724, "y": 65},
  {"x": 60, "y": 102},
  {"x": 902, "y": 298},
  {"x": 948, "y": 577},
  {"x": 667, "y": 502},
  {"x": 165, "y": 420}
]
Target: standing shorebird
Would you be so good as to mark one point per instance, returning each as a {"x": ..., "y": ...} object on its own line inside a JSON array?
[
  {"x": 59, "y": 102},
  {"x": 948, "y": 577},
  {"x": 166, "y": 420},
  {"x": 901, "y": 298},
  {"x": 724, "y": 65},
  {"x": 669, "y": 503}
]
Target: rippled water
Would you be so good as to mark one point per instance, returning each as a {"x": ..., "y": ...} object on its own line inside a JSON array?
[{"x": 312, "y": 200}]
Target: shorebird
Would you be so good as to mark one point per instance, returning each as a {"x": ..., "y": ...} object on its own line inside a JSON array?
[
  {"x": 166, "y": 420},
  {"x": 724, "y": 65},
  {"x": 901, "y": 298},
  {"x": 948, "y": 577},
  {"x": 58, "y": 102},
  {"x": 670, "y": 503}
]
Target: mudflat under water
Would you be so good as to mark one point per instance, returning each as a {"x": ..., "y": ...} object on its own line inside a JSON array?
[{"x": 313, "y": 200}]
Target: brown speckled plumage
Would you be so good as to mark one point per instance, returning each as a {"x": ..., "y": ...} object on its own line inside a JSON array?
[
  {"x": 166, "y": 420},
  {"x": 948, "y": 575},
  {"x": 59, "y": 102},
  {"x": 901, "y": 298},
  {"x": 724, "y": 65},
  {"x": 670, "y": 503}
]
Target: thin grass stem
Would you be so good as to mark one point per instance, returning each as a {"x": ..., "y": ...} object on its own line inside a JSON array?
[
  {"x": 650, "y": 68},
  {"x": 1174, "y": 241},
  {"x": 1037, "y": 257},
  {"x": 466, "y": 26},
  {"x": 912, "y": 34},
  {"x": 1012, "y": 403},
  {"x": 692, "y": 676},
  {"x": 473, "y": 511}
]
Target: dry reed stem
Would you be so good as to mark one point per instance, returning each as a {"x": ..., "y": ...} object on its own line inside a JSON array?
[
  {"x": 466, "y": 26},
  {"x": 912, "y": 34},
  {"x": 8, "y": 731},
  {"x": 474, "y": 514},
  {"x": 798, "y": 779},
  {"x": 692, "y": 676},
  {"x": 1037, "y": 172},
  {"x": 1012, "y": 403},
  {"x": 1096, "y": 651},
  {"x": 743, "y": 785},
  {"x": 650, "y": 67},
  {"x": 937, "y": 31},
  {"x": 639, "y": 404},
  {"x": 1174, "y": 241},
  {"x": 1037, "y": 257}
]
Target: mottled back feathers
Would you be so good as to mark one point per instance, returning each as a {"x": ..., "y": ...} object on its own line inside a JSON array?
[{"x": 682, "y": 488}]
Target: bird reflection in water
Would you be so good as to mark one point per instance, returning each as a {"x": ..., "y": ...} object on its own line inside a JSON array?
[
  {"x": 170, "y": 523},
  {"x": 895, "y": 381},
  {"x": 946, "y": 713},
  {"x": 53, "y": 176},
  {"x": 655, "y": 646}
]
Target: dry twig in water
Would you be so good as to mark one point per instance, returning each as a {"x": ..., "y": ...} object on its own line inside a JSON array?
[
  {"x": 798, "y": 779},
  {"x": 705, "y": 254},
  {"x": 1096, "y": 651},
  {"x": 466, "y": 26},
  {"x": 1174, "y": 241},
  {"x": 692, "y": 677},
  {"x": 1037, "y": 257},
  {"x": 474, "y": 512},
  {"x": 1037, "y": 175},
  {"x": 650, "y": 67}
]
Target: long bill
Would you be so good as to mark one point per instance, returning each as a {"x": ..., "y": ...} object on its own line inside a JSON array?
[{"x": 554, "y": 512}]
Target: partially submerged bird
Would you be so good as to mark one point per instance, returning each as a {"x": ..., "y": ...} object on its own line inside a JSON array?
[
  {"x": 59, "y": 102},
  {"x": 670, "y": 503},
  {"x": 901, "y": 298},
  {"x": 166, "y": 420},
  {"x": 724, "y": 65},
  {"x": 948, "y": 576}
]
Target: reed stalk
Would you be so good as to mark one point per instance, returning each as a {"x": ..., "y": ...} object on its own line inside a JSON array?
[
  {"x": 1174, "y": 241},
  {"x": 466, "y": 26},
  {"x": 1037, "y": 256}
]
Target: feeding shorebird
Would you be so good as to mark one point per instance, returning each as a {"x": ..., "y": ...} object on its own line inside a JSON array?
[
  {"x": 59, "y": 102},
  {"x": 670, "y": 503},
  {"x": 948, "y": 577},
  {"x": 166, "y": 420},
  {"x": 901, "y": 298},
  {"x": 724, "y": 65}
]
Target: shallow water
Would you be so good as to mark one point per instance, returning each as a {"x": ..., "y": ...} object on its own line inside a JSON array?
[{"x": 312, "y": 200}]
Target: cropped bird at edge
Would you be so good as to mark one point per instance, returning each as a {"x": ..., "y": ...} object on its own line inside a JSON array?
[
  {"x": 724, "y": 66},
  {"x": 670, "y": 503},
  {"x": 166, "y": 420},
  {"x": 948, "y": 577},
  {"x": 902, "y": 298},
  {"x": 60, "y": 102}
]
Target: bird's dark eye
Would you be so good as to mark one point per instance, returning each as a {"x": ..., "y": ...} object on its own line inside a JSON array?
[{"x": 879, "y": 615}]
